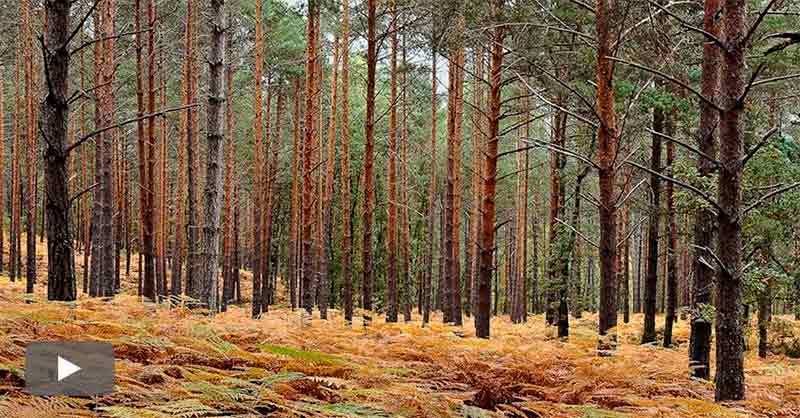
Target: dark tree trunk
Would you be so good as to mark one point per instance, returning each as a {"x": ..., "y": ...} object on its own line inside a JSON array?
[
  {"x": 55, "y": 117},
  {"x": 487, "y": 238},
  {"x": 651, "y": 281},
  {"x": 704, "y": 223},
  {"x": 431, "y": 215},
  {"x": 308, "y": 150},
  {"x": 672, "y": 242},
  {"x": 729, "y": 327},
  {"x": 607, "y": 151},
  {"x": 215, "y": 141},
  {"x": 369, "y": 155}
]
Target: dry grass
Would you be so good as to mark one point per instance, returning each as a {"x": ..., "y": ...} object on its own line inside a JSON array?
[{"x": 175, "y": 363}]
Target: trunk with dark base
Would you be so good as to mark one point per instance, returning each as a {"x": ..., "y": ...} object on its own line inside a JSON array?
[
  {"x": 347, "y": 241},
  {"x": 431, "y": 215},
  {"x": 729, "y": 327},
  {"x": 704, "y": 222},
  {"x": 672, "y": 241},
  {"x": 369, "y": 153},
  {"x": 607, "y": 151},
  {"x": 487, "y": 238},
  {"x": 651, "y": 280},
  {"x": 55, "y": 116},
  {"x": 208, "y": 262},
  {"x": 308, "y": 151}
]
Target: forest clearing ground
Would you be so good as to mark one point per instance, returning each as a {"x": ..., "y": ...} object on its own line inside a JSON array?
[{"x": 176, "y": 363}]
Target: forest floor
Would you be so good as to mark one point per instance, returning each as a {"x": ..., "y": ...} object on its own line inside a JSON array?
[{"x": 172, "y": 362}]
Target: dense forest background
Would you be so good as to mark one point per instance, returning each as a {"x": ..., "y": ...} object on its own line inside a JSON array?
[{"x": 406, "y": 157}]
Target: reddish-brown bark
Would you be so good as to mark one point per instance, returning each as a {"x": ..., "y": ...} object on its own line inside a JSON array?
[{"x": 487, "y": 244}]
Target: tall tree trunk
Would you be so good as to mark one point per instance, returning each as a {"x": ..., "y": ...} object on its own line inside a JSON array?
[
  {"x": 271, "y": 201},
  {"x": 391, "y": 176},
  {"x": 369, "y": 155},
  {"x": 13, "y": 254},
  {"x": 149, "y": 285},
  {"x": 295, "y": 209},
  {"x": 55, "y": 116},
  {"x": 478, "y": 132},
  {"x": 704, "y": 225},
  {"x": 651, "y": 280},
  {"x": 347, "y": 241},
  {"x": 327, "y": 206},
  {"x": 432, "y": 192},
  {"x": 672, "y": 240},
  {"x": 30, "y": 156},
  {"x": 405, "y": 239},
  {"x": 729, "y": 327},
  {"x": 102, "y": 283},
  {"x": 453, "y": 218},
  {"x": 308, "y": 150},
  {"x": 607, "y": 151},
  {"x": 483, "y": 308},
  {"x": 556, "y": 238},
  {"x": 192, "y": 288},
  {"x": 230, "y": 155},
  {"x": 209, "y": 260},
  {"x": 258, "y": 154}
]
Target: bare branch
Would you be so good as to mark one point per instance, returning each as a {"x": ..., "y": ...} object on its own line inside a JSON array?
[
  {"x": 774, "y": 79},
  {"x": 758, "y": 21},
  {"x": 758, "y": 146},
  {"x": 769, "y": 196},
  {"x": 79, "y": 27},
  {"x": 687, "y": 186},
  {"x": 91, "y": 135},
  {"x": 539, "y": 143},
  {"x": 691, "y": 27},
  {"x": 705, "y": 99},
  {"x": 83, "y": 192},
  {"x": 578, "y": 233},
  {"x": 685, "y": 145}
]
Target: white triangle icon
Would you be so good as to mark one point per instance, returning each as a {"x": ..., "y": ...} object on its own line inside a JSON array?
[{"x": 66, "y": 368}]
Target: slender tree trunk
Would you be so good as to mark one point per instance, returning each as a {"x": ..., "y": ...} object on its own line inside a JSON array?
[
  {"x": 192, "y": 224},
  {"x": 308, "y": 149},
  {"x": 405, "y": 245},
  {"x": 704, "y": 223},
  {"x": 607, "y": 151},
  {"x": 230, "y": 155},
  {"x": 453, "y": 216},
  {"x": 483, "y": 308},
  {"x": 391, "y": 176},
  {"x": 258, "y": 154},
  {"x": 149, "y": 284},
  {"x": 295, "y": 209},
  {"x": 30, "y": 156},
  {"x": 432, "y": 192},
  {"x": 672, "y": 241},
  {"x": 14, "y": 265},
  {"x": 347, "y": 241},
  {"x": 369, "y": 155},
  {"x": 327, "y": 206},
  {"x": 271, "y": 174},
  {"x": 478, "y": 132},
  {"x": 651, "y": 281}
]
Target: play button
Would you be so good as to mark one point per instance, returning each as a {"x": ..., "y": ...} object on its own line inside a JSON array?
[
  {"x": 69, "y": 368},
  {"x": 66, "y": 368}
]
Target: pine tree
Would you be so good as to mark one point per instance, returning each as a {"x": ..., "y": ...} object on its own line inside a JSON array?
[
  {"x": 215, "y": 140},
  {"x": 344, "y": 178}
]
